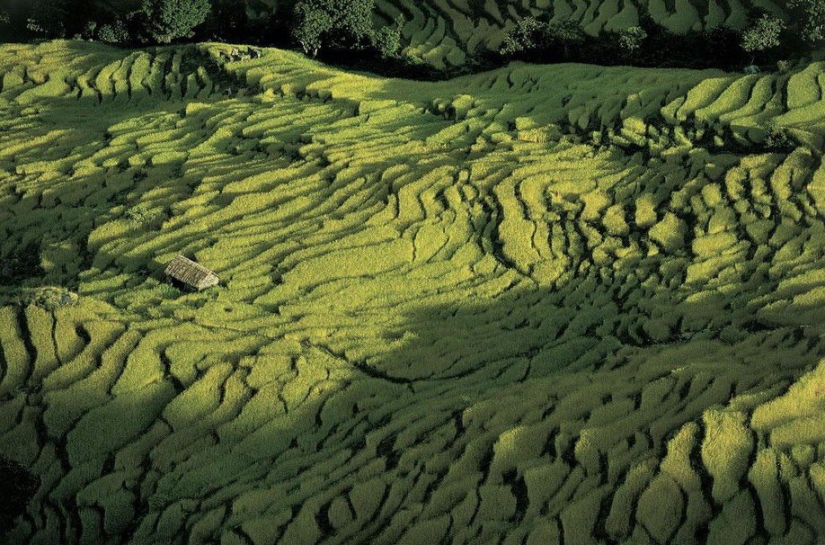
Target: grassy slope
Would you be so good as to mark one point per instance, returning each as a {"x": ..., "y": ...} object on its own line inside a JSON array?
[{"x": 441, "y": 317}]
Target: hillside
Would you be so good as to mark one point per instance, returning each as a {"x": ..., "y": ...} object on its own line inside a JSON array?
[{"x": 543, "y": 304}]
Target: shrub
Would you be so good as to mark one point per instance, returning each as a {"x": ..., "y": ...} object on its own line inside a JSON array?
[
  {"x": 336, "y": 24},
  {"x": 762, "y": 35},
  {"x": 89, "y": 29},
  {"x": 779, "y": 139},
  {"x": 47, "y": 18},
  {"x": 167, "y": 20},
  {"x": 115, "y": 33},
  {"x": 20, "y": 265},
  {"x": 567, "y": 35},
  {"x": 809, "y": 18},
  {"x": 142, "y": 214},
  {"x": 312, "y": 25},
  {"x": 168, "y": 291},
  {"x": 18, "y": 486},
  {"x": 536, "y": 40},
  {"x": 631, "y": 40},
  {"x": 529, "y": 35},
  {"x": 387, "y": 40},
  {"x": 227, "y": 21}
]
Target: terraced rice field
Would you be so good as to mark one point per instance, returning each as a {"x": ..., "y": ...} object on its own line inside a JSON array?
[{"x": 536, "y": 305}]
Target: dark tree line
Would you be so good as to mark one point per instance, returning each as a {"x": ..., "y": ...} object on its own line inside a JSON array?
[
  {"x": 344, "y": 31},
  {"x": 315, "y": 26},
  {"x": 155, "y": 21},
  {"x": 766, "y": 40}
]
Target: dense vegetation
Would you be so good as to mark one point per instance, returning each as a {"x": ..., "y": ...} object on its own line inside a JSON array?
[
  {"x": 543, "y": 304},
  {"x": 337, "y": 25},
  {"x": 361, "y": 32}
]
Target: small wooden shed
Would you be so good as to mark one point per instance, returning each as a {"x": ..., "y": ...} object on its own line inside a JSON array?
[{"x": 191, "y": 274}]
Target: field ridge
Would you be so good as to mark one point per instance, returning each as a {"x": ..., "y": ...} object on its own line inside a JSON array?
[{"x": 533, "y": 305}]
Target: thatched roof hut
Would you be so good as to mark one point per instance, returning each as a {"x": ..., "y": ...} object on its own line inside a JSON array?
[{"x": 191, "y": 274}]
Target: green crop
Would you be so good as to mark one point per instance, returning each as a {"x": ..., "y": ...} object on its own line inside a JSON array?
[{"x": 444, "y": 313}]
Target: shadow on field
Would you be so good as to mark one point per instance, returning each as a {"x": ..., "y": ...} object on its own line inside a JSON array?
[
  {"x": 82, "y": 167},
  {"x": 479, "y": 420},
  {"x": 426, "y": 419},
  {"x": 50, "y": 212},
  {"x": 588, "y": 381}
]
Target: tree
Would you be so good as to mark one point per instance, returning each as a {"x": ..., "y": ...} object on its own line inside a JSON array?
[
  {"x": 722, "y": 46},
  {"x": 762, "y": 35},
  {"x": 166, "y": 20},
  {"x": 387, "y": 39},
  {"x": 114, "y": 33},
  {"x": 336, "y": 24},
  {"x": 47, "y": 18},
  {"x": 809, "y": 18},
  {"x": 631, "y": 40},
  {"x": 567, "y": 34},
  {"x": 228, "y": 21},
  {"x": 311, "y": 28},
  {"x": 89, "y": 30},
  {"x": 528, "y": 35},
  {"x": 539, "y": 41}
]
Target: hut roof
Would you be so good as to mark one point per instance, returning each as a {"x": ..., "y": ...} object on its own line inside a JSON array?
[{"x": 191, "y": 273}]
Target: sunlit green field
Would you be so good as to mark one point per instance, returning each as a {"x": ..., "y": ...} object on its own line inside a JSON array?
[{"x": 562, "y": 304}]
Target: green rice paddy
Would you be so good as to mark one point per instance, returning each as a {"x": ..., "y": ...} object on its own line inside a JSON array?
[{"x": 543, "y": 304}]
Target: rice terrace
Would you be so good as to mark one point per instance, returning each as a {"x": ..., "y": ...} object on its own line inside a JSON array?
[{"x": 261, "y": 292}]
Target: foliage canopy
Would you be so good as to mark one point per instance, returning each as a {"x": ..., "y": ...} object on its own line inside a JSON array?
[
  {"x": 763, "y": 35},
  {"x": 631, "y": 39},
  {"x": 167, "y": 20},
  {"x": 810, "y": 16},
  {"x": 47, "y": 18},
  {"x": 336, "y": 24},
  {"x": 529, "y": 34}
]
